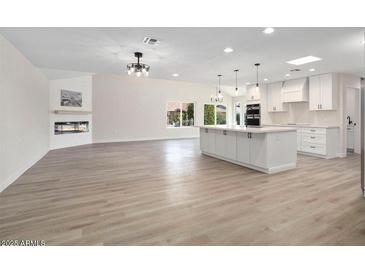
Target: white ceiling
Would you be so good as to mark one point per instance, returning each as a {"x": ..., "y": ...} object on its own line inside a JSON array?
[{"x": 196, "y": 54}]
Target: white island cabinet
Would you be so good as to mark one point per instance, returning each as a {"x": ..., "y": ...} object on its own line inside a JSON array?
[{"x": 266, "y": 149}]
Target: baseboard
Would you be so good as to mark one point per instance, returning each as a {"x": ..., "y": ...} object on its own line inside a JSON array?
[
  {"x": 342, "y": 154},
  {"x": 142, "y": 139},
  {"x": 13, "y": 177}
]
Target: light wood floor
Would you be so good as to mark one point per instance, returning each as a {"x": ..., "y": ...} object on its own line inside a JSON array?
[{"x": 167, "y": 193}]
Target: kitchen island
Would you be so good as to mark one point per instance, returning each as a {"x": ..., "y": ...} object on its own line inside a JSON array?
[{"x": 266, "y": 149}]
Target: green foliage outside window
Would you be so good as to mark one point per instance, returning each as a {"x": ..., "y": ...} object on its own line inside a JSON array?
[{"x": 209, "y": 115}]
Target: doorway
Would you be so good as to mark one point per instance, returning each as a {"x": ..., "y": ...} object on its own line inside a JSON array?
[{"x": 353, "y": 120}]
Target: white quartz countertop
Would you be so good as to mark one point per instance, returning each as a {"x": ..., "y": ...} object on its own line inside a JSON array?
[
  {"x": 300, "y": 125},
  {"x": 264, "y": 129}
]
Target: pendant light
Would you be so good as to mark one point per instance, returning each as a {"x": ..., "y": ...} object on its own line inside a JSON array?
[
  {"x": 257, "y": 77},
  {"x": 236, "y": 90},
  {"x": 218, "y": 96}
]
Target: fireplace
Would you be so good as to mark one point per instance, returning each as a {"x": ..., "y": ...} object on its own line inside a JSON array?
[{"x": 71, "y": 127}]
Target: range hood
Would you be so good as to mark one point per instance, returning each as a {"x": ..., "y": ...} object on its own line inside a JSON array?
[{"x": 295, "y": 90}]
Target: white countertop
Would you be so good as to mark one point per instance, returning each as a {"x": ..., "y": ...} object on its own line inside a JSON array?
[
  {"x": 264, "y": 129},
  {"x": 300, "y": 125}
]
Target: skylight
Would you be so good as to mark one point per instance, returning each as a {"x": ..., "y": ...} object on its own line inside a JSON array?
[{"x": 304, "y": 60}]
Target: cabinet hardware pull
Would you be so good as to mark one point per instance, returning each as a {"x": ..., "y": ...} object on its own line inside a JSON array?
[
  {"x": 313, "y": 130},
  {"x": 313, "y": 147},
  {"x": 312, "y": 137}
]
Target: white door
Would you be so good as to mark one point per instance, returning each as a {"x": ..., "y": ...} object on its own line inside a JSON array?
[
  {"x": 352, "y": 110},
  {"x": 326, "y": 92},
  {"x": 258, "y": 150},
  {"x": 314, "y": 93},
  {"x": 243, "y": 148}
]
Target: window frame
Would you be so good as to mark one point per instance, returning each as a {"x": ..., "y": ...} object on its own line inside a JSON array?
[
  {"x": 221, "y": 104},
  {"x": 181, "y": 111},
  {"x": 215, "y": 113},
  {"x": 235, "y": 113}
]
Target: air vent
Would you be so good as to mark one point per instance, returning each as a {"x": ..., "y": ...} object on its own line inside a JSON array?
[
  {"x": 151, "y": 41},
  {"x": 294, "y": 70}
]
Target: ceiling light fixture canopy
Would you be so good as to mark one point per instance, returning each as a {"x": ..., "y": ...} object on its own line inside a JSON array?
[
  {"x": 138, "y": 69},
  {"x": 218, "y": 97}
]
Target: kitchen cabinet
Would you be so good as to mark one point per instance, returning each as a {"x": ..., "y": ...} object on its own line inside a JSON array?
[
  {"x": 258, "y": 150},
  {"x": 207, "y": 140},
  {"x": 251, "y": 149},
  {"x": 274, "y": 98},
  {"x": 265, "y": 149},
  {"x": 253, "y": 94},
  {"x": 323, "y": 94},
  {"x": 225, "y": 144},
  {"x": 243, "y": 147}
]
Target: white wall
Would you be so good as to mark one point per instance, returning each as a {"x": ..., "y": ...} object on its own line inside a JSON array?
[
  {"x": 24, "y": 120},
  {"x": 127, "y": 108},
  {"x": 80, "y": 84}
]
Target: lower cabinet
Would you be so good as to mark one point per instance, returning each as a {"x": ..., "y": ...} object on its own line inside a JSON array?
[
  {"x": 225, "y": 144},
  {"x": 267, "y": 152},
  {"x": 207, "y": 140},
  {"x": 243, "y": 147},
  {"x": 258, "y": 150},
  {"x": 319, "y": 141},
  {"x": 251, "y": 149}
]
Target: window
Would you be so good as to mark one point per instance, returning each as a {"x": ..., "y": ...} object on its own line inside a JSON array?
[
  {"x": 221, "y": 115},
  {"x": 187, "y": 114},
  {"x": 180, "y": 114},
  {"x": 215, "y": 114},
  {"x": 209, "y": 114},
  {"x": 237, "y": 113}
]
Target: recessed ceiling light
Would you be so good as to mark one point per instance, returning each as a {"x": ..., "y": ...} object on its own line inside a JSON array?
[
  {"x": 268, "y": 30},
  {"x": 247, "y": 83},
  {"x": 175, "y": 75},
  {"x": 304, "y": 60},
  {"x": 266, "y": 79},
  {"x": 363, "y": 41},
  {"x": 287, "y": 75},
  {"x": 312, "y": 69},
  {"x": 228, "y": 50}
]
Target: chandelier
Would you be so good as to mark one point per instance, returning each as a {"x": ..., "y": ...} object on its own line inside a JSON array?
[
  {"x": 138, "y": 69},
  {"x": 218, "y": 97}
]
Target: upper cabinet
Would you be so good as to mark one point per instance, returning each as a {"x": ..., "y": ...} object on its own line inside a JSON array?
[
  {"x": 274, "y": 98},
  {"x": 253, "y": 94},
  {"x": 323, "y": 92},
  {"x": 295, "y": 90}
]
